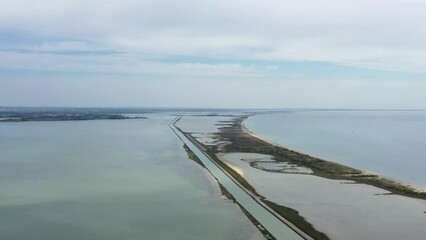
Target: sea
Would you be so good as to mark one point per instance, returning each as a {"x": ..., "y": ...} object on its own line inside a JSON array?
[
  {"x": 389, "y": 143},
  {"x": 109, "y": 179}
]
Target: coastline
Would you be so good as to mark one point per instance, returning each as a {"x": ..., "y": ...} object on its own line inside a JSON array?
[
  {"x": 393, "y": 185},
  {"x": 240, "y": 139},
  {"x": 228, "y": 196},
  {"x": 287, "y": 216},
  {"x": 273, "y": 228},
  {"x": 334, "y": 207}
]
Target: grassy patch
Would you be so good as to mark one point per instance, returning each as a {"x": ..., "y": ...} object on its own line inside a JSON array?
[
  {"x": 240, "y": 141},
  {"x": 294, "y": 217},
  {"x": 232, "y": 172},
  {"x": 192, "y": 156},
  {"x": 229, "y": 196}
]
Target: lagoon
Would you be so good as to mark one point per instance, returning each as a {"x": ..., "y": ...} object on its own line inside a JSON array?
[{"x": 340, "y": 209}]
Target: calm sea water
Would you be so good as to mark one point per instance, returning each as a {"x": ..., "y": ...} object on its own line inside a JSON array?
[
  {"x": 105, "y": 180},
  {"x": 390, "y": 143}
]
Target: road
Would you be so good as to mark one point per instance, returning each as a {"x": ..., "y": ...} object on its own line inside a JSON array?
[{"x": 279, "y": 227}]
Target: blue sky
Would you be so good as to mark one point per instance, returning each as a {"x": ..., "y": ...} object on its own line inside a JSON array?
[{"x": 239, "y": 54}]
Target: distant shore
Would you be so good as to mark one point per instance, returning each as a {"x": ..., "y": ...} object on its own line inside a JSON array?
[{"x": 40, "y": 117}]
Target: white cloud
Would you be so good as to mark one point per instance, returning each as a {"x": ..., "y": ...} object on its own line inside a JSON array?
[
  {"x": 138, "y": 37},
  {"x": 118, "y": 64},
  {"x": 63, "y": 46},
  {"x": 385, "y": 34}
]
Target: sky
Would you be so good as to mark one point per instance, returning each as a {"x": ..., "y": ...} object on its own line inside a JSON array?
[{"x": 213, "y": 53}]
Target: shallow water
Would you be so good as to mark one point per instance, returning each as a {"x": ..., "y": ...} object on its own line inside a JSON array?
[
  {"x": 341, "y": 209},
  {"x": 120, "y": 179},
  {"x": 282, "y": 167},
  {"x": 387, "y": 143},
  {"x": 270, "y": 222},
  {"x": 338, "y": 208}
]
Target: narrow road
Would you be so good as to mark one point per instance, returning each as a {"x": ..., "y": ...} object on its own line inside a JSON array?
[{"x": 279, "y": 227}]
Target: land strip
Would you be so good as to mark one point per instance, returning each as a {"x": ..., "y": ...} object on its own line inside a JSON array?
[
  {"x": 261, "y": 208},
  {"x": 242, "y": 140},
  {"x": 27, "y": 117},
  {"x": 229, "y": 196}
]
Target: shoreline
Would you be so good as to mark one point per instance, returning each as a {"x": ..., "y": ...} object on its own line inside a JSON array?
[
  {"x": 272, "y": 229},
  {"x": 228, "y": 196},
  {"x": 243, "y": 140},
  {"x": 246, "y": 130},
  {"x": 287, "y": 216}
]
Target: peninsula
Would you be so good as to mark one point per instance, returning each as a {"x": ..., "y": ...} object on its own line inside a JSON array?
[{"x": 243, "y": 140}]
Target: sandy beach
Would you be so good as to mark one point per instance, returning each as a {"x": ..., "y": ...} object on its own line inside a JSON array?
[{"x": 381, "y": 177}]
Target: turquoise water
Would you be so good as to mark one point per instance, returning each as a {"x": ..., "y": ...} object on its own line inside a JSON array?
[
  {"x": 391, "y": 143},
  {"x": 126, "y": 179}
]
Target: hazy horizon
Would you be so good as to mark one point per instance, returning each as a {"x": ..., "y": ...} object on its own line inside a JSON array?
[{"x": 212, "y": 108}]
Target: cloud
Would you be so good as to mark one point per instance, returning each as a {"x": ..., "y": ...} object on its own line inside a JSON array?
[
  {"x": 322, "y": 53},
  {"x": 384, "y": 34},
  {"x": 124, "y": 64},
  {"x": 63, "y": 46}
]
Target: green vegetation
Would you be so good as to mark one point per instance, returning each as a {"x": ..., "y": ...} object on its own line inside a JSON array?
[
  {"x": 240, "y": 141},
  {"x": 232, "y": 172},
  {"x": 193, "y": 157},
  {"x": 259, "y": 226},
  {"x": 229, "y": 196},
  {"x": 294, "y": 217},
  {"x": 226, "y": 193},
  {"x": 288, "y": 213},
  {"x": 31, "y": 116}
]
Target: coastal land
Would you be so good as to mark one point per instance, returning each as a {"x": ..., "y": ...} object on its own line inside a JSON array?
[
  {"x": 227, "y": 195},
  {"x": 287, "y": 216},
  {"x": 262, "y": 155},
  {"x": 271, "y": 224},
  {"x": 60, "y": 116},
  {"x": 243, "y": 140}
]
